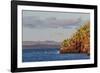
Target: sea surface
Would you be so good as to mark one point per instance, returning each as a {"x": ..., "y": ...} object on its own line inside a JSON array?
[{"x": 49, "y": 54}]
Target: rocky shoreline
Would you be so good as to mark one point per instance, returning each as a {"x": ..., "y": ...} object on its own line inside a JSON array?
[{"x": 79, "y": 42}]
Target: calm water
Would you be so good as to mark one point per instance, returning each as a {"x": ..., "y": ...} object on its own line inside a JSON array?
[{"x": 46, "y": 54}]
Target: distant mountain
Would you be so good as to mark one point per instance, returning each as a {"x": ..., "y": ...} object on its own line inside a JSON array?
[{"x": 40, "y": 44}]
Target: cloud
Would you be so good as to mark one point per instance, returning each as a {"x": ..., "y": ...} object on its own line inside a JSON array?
[{"x": 51, "y": 22}]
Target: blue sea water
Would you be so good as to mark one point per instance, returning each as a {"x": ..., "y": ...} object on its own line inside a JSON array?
[{"x": 49, "y": 54}]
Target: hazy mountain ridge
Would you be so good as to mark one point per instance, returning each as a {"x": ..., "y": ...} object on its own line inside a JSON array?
[{"x": 40, "y": 44}]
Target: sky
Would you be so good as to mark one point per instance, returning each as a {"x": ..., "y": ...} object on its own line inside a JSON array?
[{"x": 51, "y": 26}]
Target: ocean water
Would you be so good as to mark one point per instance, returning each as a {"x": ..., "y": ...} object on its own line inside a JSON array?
[{"x": 49, "y": 54}]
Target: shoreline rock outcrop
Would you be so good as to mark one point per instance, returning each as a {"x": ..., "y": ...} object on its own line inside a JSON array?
[{"x": 79, "y": 41}]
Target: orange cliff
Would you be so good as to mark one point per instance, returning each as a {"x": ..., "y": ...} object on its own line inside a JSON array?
[{"x": 79, "y": 42}]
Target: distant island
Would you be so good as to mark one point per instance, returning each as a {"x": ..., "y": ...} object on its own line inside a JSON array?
[
  {"x": 79, "y": 42},
  {"x": 40, "y": 44}
]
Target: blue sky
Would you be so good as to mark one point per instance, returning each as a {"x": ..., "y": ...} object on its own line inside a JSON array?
[{"x": 52, "y": 26}]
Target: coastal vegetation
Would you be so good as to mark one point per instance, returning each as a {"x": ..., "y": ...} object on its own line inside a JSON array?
[{"x": 79, "y": 42}]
